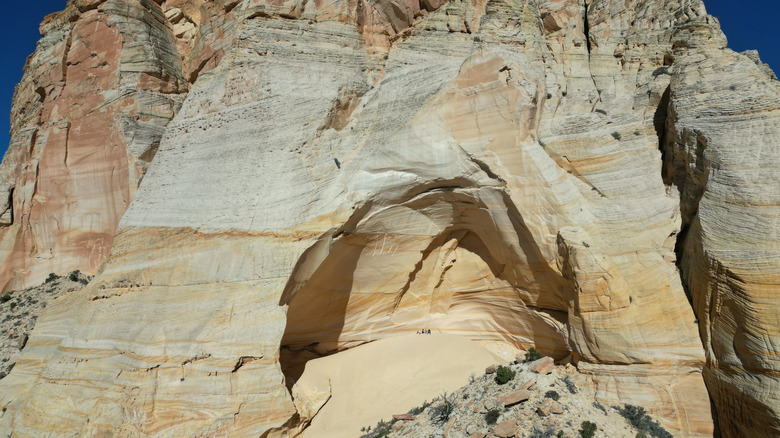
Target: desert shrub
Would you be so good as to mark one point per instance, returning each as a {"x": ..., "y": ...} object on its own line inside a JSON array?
[
  {"x": 52, "y": 277},
  {"x": 644, "y": 423},
  {"x": 442, "y": 411},
  {"x": 588, "y": 429},
  {"x": 641, "y": 434},
  {"x": 616, "y": 135},
  {"x": 382, "y": 429},
  {"x": 552, "y": 394},
  {"x": 74, "y": 276},
  {"x": 601, "y": 111},
  {"x": 419, "y": 409},
  {"x": 560, "y": 434},
  {"x": 492, "y": 416},
  {"x": 6, "y": 297},
  {"x": 570, "y": 385},
  {"x": 504, "y": 374},
  {"x": 11, "y": 306},
  {"x": 532, "y": 355}
]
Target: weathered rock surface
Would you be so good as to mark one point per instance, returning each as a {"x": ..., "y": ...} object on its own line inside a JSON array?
[
  {"x": 723, "y": 155},
  {"x": 87, "y": 119},
  {"x": 342, "y": 172}
]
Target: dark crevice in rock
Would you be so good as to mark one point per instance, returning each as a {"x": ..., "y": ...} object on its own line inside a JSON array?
[
  {"x": 659, "y": 123},
  {"x": 587, "y": 26},
  {"x": 10, "y": 208},
  {"x": 196, "y": 358},
  {"x": 675, "y": 173},
  {"x": 243, "y": 360},
  {"x": 41, "y": 94},
  {"x": 668, "y": 172},
  {"x": 196, "y": 71},
  {"x": 229, "y": 6}
]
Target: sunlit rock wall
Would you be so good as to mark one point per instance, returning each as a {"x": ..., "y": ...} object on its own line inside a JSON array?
[{"x": 342, "y": 172}]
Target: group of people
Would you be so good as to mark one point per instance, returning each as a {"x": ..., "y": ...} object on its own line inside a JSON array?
[{"x": 424, "y": 332}]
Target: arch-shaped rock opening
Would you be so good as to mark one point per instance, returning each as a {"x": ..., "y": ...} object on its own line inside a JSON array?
[{"x": 456, "y": 261}]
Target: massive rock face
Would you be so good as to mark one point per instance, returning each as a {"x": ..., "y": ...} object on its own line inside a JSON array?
[
  {"x": 87, "y": 119},
  {"x": 342, "y": 172},
  {"x": 722, "y": 153}
]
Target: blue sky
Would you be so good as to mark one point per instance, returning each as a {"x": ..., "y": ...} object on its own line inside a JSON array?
[{"x": 749, "y": 26}]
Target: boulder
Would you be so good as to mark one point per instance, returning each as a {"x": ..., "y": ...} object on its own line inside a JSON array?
[
  {"x": 505, "y": 429},
  {"x": 543, "y": 366},
  {"x": 514, "y": 398}
]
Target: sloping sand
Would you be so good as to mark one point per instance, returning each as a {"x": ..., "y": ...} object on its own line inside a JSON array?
[{"x": 391, "y": 376}]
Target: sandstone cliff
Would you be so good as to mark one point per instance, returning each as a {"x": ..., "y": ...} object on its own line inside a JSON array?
[{"x": 521, "y": 172}]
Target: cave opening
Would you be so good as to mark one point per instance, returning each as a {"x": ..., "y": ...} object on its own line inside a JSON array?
[{"x": 478, "y": 276}]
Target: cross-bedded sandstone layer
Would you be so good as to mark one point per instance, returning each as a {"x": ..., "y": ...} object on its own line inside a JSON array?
[{"x": 521, "y": 171}]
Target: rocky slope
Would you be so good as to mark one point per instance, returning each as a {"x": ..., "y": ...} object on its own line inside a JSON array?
[
  {"x": 565, "y": 174},
  {"x": 20, "y": 310},
  {"x": 538, "y": 401}
]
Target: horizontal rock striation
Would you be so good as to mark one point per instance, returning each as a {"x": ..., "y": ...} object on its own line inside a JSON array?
[{"x": 342, "y": 172}]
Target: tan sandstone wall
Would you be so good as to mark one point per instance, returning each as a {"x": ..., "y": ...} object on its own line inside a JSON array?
[{"x": 342, "y": 172}]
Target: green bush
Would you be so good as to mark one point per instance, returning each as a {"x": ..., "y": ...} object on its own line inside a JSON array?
[
  {"x": 74, "y": 276},
  {"x": 52, "y": 277},
  {"x": 616, "y": 135},
  {"x": 6, "y": 297},
  {"x": 418, "y": 410},
  {"x": 552, "y": 394},
  {"x": 504, "y": 374},
  {"x": 11, "y": 306},
  {"x": 492, "y": 416},
  {"x": 588, "y": 429},
  {"x": 644, "y": 423},
  {"x": 532, "y": 355}
]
